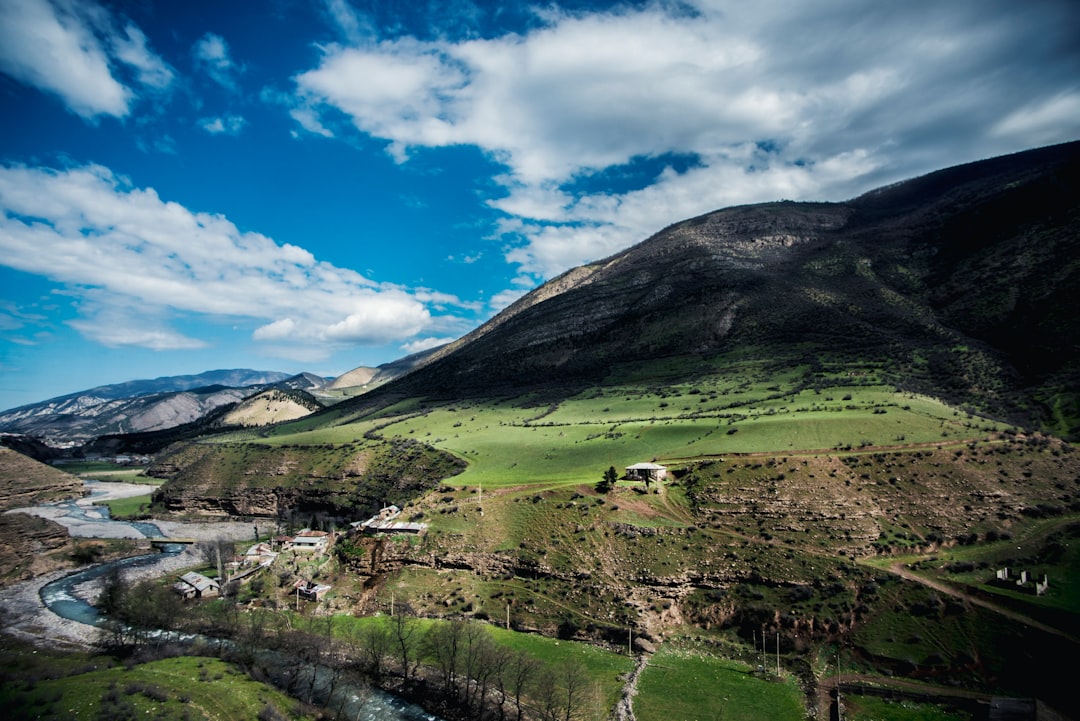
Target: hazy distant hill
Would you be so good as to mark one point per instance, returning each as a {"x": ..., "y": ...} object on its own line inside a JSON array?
[
  {"x": 141, "y": 405},
  {"x": 963, "y": 284}
]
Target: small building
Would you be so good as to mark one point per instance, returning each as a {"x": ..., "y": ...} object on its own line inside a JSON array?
[
  {"x": 196, "y": 585},
  {"x": 311, "y": 541},
  {"x": 647, "y": 472},
  {"x": 311, "y": 591},
  {"x": 385, "y": 522},
  {"x": 259, "y": 554}
]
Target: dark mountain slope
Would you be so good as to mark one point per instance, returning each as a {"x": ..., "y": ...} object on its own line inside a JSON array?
[{"x": 960, "y": 284}]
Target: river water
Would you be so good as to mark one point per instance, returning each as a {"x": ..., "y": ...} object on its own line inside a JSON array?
[{"x": 59, "y": 596}]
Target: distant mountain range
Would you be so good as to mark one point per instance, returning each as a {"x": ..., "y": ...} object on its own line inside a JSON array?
[{"x": 215, "y": 398}]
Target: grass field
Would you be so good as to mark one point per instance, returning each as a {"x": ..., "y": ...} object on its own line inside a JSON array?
[
  {"x": 175, "y": 688},
  {"x": 530, "y": 440},
  {"x": 870, "y": 708},
  {"x": 131, "y": 508},
  {"x": 681, "y": 684}
]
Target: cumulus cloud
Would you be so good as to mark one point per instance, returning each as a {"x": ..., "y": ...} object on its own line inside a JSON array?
[
  {"x": 73, "y": 50},
  {"x": 136, "y": 260},
  {"x": 812, "y": 101}
]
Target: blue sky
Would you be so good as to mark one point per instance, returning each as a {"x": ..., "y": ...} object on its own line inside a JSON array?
[{"x": 302, "y": 185}]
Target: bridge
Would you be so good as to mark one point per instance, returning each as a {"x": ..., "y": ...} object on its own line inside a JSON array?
[{"x": 162, "y": 540}]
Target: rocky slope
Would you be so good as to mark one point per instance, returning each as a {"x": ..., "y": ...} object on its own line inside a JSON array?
[
  {"x": 349, "y": 481},
  {"x": 963, "y": 283},
  {"x": 271, "y": 406},
  {"x": 140, "y": 406},
  {"x": 26, "y": 482}
]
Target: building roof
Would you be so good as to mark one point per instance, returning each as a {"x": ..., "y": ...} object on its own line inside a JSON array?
[
  {"x": 646, "y": 467},
  {"x": 198, "y": 581}
]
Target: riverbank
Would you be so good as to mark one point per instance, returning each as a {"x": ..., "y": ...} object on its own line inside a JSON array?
[{"x": 22, "y": 612}]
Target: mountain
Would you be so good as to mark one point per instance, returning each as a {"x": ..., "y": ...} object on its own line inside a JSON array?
[
  {"x": 962, "y": 284},
  {"x": 369, "y": 378},
  {"x": 273, "y": 405},
  {"x": 140, "y": 405},
  {"x": 847, "y": 399}
]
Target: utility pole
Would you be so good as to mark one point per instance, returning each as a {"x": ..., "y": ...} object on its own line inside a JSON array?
[
  {"x": 839, "y": 711},
  {"x": 480, "y": 497},
  {"x": 763, "y": 648},
  {"x": 507, "y": 615},
  {"x": 778, "y": 654}
]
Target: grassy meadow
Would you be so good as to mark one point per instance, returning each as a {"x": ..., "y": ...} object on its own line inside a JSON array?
[{"x": 548, "y": 442}]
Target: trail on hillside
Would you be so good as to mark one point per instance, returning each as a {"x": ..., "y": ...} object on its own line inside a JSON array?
[{"x": 899, "y": 569}]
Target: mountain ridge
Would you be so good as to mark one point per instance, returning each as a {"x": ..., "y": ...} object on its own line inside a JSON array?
[{"x": 915, "y": 273}]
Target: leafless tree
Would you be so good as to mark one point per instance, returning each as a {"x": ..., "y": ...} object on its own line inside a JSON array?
[{"x": 405, "y": 633}]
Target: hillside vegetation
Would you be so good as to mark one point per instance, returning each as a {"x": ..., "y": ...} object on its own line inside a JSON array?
[{"x": 864, "y": 408}]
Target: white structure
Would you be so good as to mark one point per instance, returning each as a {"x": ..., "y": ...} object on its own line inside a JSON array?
[
  {"x": 647, "y": 472},
  {"x": 313, "y": 541}
]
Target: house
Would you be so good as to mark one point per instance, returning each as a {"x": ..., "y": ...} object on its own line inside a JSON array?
[
  {"x": 311, "y": 591},
  {"x": 384, "y": 522},
  {"x": 647, "y": 472},
  {"x": 196, "y": 585},
  {"x": 259, "y": 554},
  {"x": 311, "y": 541}
]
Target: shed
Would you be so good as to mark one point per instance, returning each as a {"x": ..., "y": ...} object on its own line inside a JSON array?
[
  {"x": 196, "y": 585},
  {"x": 647, "y": 472}
]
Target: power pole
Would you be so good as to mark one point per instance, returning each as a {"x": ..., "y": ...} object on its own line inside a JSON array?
[{"x": 777, "y": 654}]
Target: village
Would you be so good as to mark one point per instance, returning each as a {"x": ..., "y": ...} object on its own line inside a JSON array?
[
  {"x": 262, "y": 555},
  {"x": 309, "y": 543}
]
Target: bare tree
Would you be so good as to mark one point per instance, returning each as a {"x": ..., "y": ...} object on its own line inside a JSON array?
[
  {"x": 443, "y": 643},
  {"x": 515, "y": 681},
  {"x": 405, "y": 633},
  {"x": 216, "y": 553}
]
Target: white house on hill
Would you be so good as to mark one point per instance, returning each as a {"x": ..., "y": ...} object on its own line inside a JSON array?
[{"x": 647, "y": 472}]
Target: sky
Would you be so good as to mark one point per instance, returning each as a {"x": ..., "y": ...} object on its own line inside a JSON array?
[{"x": 317, "y": 185}]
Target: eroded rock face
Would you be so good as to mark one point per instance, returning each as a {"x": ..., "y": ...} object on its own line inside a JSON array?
[
  {"x": 347, "y": 480},
  {"x": 26, "y": 482},
  {"x": 24, "y": 539}
]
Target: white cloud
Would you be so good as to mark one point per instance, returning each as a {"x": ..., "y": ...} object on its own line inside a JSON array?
[
  {"x": 212, "y": 57},
  {"x": 422, "y": 344},
  {"x": 152, "y": 71},
  {"x": 136, "y": 260},
  {"x": 71, "y": 49},
  {"x": 225, "y": 125},
  {"x": 807, "y": 101}
]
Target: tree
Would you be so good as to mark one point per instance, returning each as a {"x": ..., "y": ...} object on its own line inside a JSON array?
[
  {"x": 611, "y": 476},
  {"x": 216, "y": 553},
  {"x": 404, "y": 630}
]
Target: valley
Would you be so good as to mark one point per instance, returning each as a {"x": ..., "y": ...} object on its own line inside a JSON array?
[{"x": 869, "y": 504}]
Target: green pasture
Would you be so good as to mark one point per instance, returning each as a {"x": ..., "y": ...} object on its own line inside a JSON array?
[
  {"x": 536, "y": 441},
  {"x": 872, "y": 708},
  {"x": 176, "y": 688},
  {"x": 133, "y": 507},
  {"x": 681, "y": 684},
  {"x": 603, "y": 668}
]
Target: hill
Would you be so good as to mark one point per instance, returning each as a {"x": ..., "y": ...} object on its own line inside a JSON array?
[
  {"x": 26, "y": 482},
  {"x": 271, "y": 406},
  {"x": 962, "y": 284},
  {"x": 851, "y": 399}
]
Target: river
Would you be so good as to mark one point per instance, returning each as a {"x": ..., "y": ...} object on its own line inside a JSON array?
[{"x": 63, "y": 596}]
